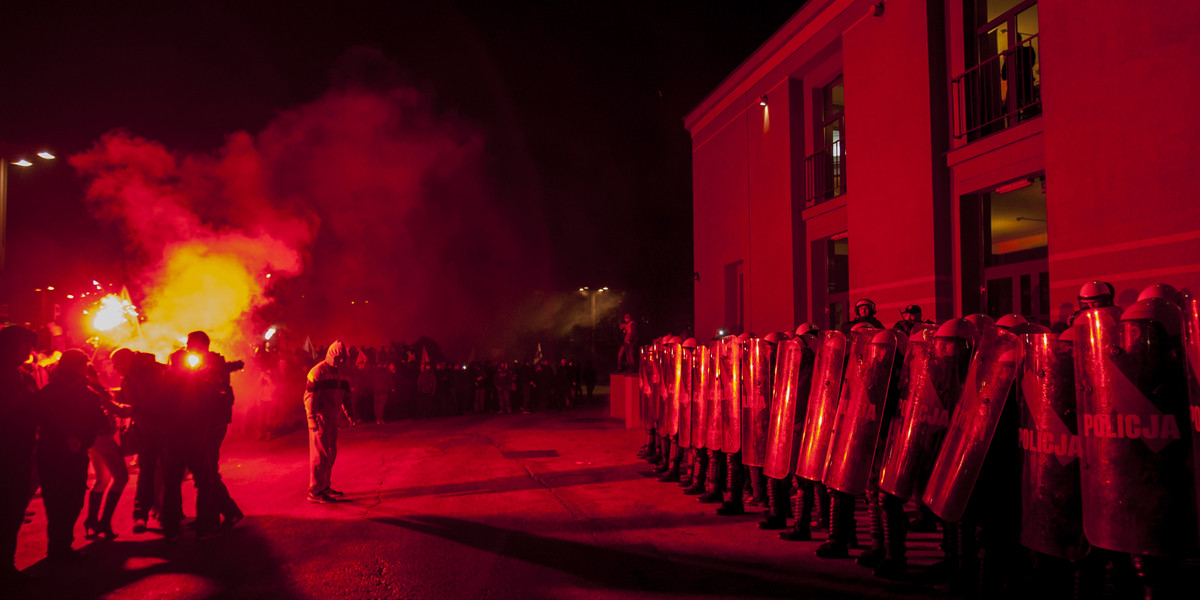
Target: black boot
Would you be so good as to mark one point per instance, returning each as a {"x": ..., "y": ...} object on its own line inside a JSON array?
[
  {"x": 841, "y": 526},
  {"x": 802, "y": 507},
  {"x": 758, "y": 487},
  {"x": 91, "y": 525},
  {"x": 735, "y": 481},
  {"x": 686, "y": 470},
  {"x": 823, "y": 508},
  {"x": 664, "y": 464},
  {"x": 714, "y": 479},
  {"x": 948, "y": 567},
  {"x": 699, "y": 473},
  {"x": 672, "y": 472},
  {"x": 104, "y": 527},
  {"x": 895, "y": 538},
  {"x": 775, "y": 502},
  {"x": 873, "y": 555},
  {"x": 648, "y": 448}
]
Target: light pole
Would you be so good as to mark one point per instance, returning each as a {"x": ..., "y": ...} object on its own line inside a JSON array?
[
  {"x": 592, "y": 296},
  {"x": 4, "y": 162}
]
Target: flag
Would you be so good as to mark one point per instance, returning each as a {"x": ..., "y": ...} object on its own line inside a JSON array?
[
  {"x": 309, "y": 348},
  {"x": 537, "y": 356}
]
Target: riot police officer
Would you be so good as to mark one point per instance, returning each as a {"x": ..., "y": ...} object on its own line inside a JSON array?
[{"x": 864, "y": 312}]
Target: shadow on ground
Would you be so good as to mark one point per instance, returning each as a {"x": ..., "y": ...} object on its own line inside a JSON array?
[
  {"x": 497, "y": 485},
  {"x": 642, "y": 568},
  {"x": 239, "y": 563}
]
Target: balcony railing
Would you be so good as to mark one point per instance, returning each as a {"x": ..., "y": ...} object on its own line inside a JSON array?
[
  {"x": 825, "y": 174},
  {"x": 998, "y": 92}
]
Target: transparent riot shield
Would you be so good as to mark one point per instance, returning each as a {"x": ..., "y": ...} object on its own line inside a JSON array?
[
  {"x": 1130, "y": 393},
  {"x": 685, "y": 391},
  {"x": 700, "y": 397},
  {"x": 731, "y": 394},
  {"x": 860, "y": 410},
  {"x": 716, "y": 397},
  {"x": 935, "y": 372},
  {"x": 1051, "y": 500},
  {"x": 670, "y": 410},
  {"x": 793, "y": 381},
  {"x": 757, "y": 387},
  {"x": 659, "y": 384},
  {"x": 822, "y": 405},
  {"x": 973, "y": 423},
  {"x": 644, "y": 389},
  {"x": 1191, "y": 351}
]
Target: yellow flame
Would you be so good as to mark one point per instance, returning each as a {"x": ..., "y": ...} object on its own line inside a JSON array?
[
  {"x": 113, "y": 311},
  {"x": 193, "y": 360}
]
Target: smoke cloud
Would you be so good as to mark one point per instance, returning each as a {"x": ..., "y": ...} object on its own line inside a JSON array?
[{"x": 365, "y": 215}]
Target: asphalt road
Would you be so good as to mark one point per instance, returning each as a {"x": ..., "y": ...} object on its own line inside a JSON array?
[{"x": 544, "y": 505}]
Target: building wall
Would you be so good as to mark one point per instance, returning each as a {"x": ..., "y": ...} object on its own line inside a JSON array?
[
  {"x": 891, "y": 158},
  {"x": 721, "y": 222},
  {"x": 1122, "y": 146},
  {"x": 770, "y": 293}
]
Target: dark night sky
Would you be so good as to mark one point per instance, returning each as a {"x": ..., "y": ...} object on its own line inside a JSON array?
[{"x": 581, "y": 105}]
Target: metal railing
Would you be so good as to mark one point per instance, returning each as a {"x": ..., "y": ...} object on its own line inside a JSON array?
[
  {"x": 999, "y": 92},
  {"x": 825, "y": 173}
]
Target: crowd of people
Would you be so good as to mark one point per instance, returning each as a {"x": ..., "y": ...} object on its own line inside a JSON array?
[
  {"x": 393, "y": 382},
  {"x": 87, "y": 415},
  {"x": 1056, "y": 462},
  {"x": 61, "y": 419}
]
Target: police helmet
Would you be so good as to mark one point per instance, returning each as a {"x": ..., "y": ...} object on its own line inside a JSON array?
[{"x": 1096, "y": 290}]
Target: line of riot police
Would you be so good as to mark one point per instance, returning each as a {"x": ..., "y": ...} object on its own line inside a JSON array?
[{"x": 1056, "y": 464}]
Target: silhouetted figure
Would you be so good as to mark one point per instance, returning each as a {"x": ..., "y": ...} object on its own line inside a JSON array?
[
  {"x": 17, "y": 434},
  {"x": 69, "y": 418},
  {"x": 627, "y": 357}
]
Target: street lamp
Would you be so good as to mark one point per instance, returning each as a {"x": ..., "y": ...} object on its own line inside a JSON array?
[
  {"x": 4, "y": 162},
  {"x": 591, "y": 294}
]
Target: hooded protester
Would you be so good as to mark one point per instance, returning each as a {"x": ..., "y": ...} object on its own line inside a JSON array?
[{"x": 324, "y": 397}]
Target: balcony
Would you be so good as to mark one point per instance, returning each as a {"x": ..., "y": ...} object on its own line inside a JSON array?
[
  {"x": 825, "y": 174},
  {"x": 999, "y": 92}
]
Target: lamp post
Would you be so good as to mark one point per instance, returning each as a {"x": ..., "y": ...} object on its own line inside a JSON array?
[
  {"x": 591, "y": 294},
  {"x": 4, "y": 162}
]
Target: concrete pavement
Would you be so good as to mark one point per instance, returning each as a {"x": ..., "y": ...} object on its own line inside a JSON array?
[{"x": 543, "y": 505}]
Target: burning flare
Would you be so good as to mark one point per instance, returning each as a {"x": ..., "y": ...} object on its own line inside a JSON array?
[{"x": 113, "y": 311}]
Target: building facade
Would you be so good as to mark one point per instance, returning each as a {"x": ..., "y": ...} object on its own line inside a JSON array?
[{"x": 964, "y": 155}]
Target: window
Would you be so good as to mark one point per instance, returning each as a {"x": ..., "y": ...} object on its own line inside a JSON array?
[
  {"x": 825, "y": 169},
  {"x": 1002, "y": 85}
]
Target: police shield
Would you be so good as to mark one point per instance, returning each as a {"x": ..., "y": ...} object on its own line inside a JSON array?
[
  {"x": 700, "y": 398},
  {"x": 643, "y": 388},
  {"x": 731, "y": 394},
  {"x": 1130, "y": 385},
  {"x": 1191, "y": 351},
  {"x": 757, "y": 387},
  {"x": 973, "y": 423},
  {"x": 921, "y": 422},
  {"x": 822, "y": 405},
  {"x": 1051, "y": 503},
  {"x": 669, "y": 424},
  {"x": 715, "y": 432},
  {"x": 793, "y": 381},
  {"x": 685, "y": 390},
  {"x": 860, "y": 410}
]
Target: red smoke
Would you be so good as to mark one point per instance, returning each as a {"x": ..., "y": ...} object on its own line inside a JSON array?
[{"x": 377, "y": 217}]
